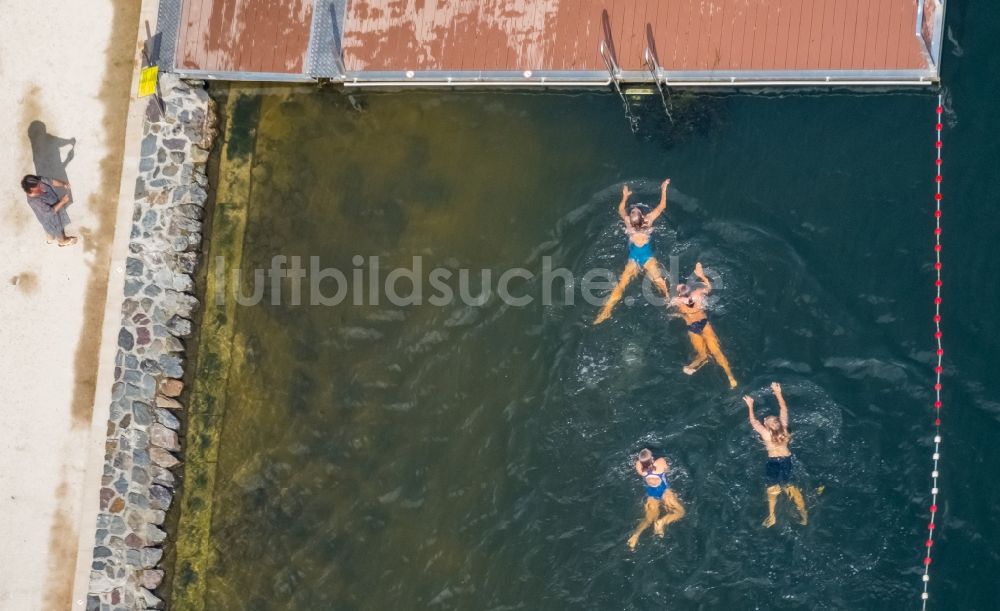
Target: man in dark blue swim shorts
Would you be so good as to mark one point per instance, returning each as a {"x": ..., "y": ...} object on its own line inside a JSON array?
[{"x": 775, "y": 434}]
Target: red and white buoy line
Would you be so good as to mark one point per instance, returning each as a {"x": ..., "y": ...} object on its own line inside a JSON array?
[{"x": 938, "y": 369}]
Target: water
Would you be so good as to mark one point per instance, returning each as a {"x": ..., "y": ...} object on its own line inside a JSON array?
[{"x": 378, "y": 457}]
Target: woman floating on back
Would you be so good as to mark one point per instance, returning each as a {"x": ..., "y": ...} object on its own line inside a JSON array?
[
  {"x": 691, "y": 305},
  {"x": 658, "y": 492},
  {"x": 639, "y": 228},
  {"x": 778, "y": 471}
]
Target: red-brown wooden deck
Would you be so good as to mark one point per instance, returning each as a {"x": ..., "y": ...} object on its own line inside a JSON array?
[
  {"x": 244, "y": 35},
  {"x": 379, "y": 40},
  {"x": 697, "y": 35}
]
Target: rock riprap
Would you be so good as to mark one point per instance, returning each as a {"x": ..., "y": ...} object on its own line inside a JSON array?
[{"x": 143, "y": 441}]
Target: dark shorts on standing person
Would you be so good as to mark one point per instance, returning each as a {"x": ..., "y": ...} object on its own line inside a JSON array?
[{"x": 778, "y": 471}]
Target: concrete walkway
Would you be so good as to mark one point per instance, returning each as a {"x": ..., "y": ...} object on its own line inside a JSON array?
[{"x": 66, "y": 70}]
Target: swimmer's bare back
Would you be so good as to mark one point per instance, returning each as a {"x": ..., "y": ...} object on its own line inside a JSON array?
[{"x": 775, "y": 448}]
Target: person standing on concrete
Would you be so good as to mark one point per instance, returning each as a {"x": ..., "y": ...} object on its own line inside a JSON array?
[{"x": 46, "y": 204}]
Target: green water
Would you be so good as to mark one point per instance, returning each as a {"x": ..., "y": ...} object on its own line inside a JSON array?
[{"x": 459, "y": 457}]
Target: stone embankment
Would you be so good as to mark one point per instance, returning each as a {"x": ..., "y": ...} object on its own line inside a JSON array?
[{"x": 143, "y": 443}]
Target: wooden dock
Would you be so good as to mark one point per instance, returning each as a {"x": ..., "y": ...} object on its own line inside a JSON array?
[{"x": 512, "y": 43}]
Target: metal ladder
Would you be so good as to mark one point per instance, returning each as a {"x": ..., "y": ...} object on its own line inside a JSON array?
[
  {"x": 614, "y": 71},
  {"x": 660, "y": 78}
]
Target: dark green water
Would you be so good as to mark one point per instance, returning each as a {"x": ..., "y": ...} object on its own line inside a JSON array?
[{"x": 456, "y": 457}]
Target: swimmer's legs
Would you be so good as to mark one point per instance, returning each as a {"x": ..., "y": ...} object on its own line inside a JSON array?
[
  {"x": 652, "y": 268},
  {"x": 631, "y": 270},
  {"x": 652, "y": 509},
  {"x": 800, "y": 503},
  {"x": 712, "y": 343},
  {"x": 772, "y": 501},
  {"x": 701, "y": 353},
  {"x": 673, "y": 511}
]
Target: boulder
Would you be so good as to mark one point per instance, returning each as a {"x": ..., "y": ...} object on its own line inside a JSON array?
[
  {"x": 179, "y": 327},
  {"x": 162, "y": 476},
  {"x": 155, "y": 535},
  {"x": 151, "y": 578},
  {"x": 160, "y": 497},
  {"x": 170, "y": 387},
  {"x": 161, "y": 436},
  {"x": 150, "y": 557},
  {"x": 163, "y": 458},
  {"x": 168, "y": 402},
  {"x": 167, "y": 419},
  {"x": 150, "y": 600}
]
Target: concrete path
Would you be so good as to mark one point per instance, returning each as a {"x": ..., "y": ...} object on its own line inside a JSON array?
[{"x": 65, "y": 73}]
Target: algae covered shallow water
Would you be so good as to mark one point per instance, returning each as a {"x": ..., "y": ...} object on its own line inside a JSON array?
[{"x": 478, "y": 457}]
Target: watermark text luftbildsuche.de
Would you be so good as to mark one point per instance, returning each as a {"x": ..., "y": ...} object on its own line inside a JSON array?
[{"x": 290, "y": 282}]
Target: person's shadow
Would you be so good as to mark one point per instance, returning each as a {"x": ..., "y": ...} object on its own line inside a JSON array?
[{"x": 46, "y": 150}]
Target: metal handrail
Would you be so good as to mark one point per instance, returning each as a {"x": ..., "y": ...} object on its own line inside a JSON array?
[
  {"x": 651, "y": 63},
  {"x": 660, "y": 78},
  {"x": 615, "y": 71}
]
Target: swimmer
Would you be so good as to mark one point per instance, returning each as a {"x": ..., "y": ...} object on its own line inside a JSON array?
[
  {"x": 639, "y": 229},
  {"x": 691, "y": 304},
  {"x": 778, "y": 471},
  {"x": 654, "y": 476}
]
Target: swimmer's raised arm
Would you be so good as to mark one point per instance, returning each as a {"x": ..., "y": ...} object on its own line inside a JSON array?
[
  {"x": 783, "y": 413},
  {"x": 621, "y": 206},
  {"x": 700, "y": 272},
  {"x": 757, "y": 426},
  {"x": 662, "y": 205}
]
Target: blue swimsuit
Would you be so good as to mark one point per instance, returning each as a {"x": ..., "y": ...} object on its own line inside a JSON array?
[
  {"x": 640, "y": 254},
  {"x": 657, "y": 491}
]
